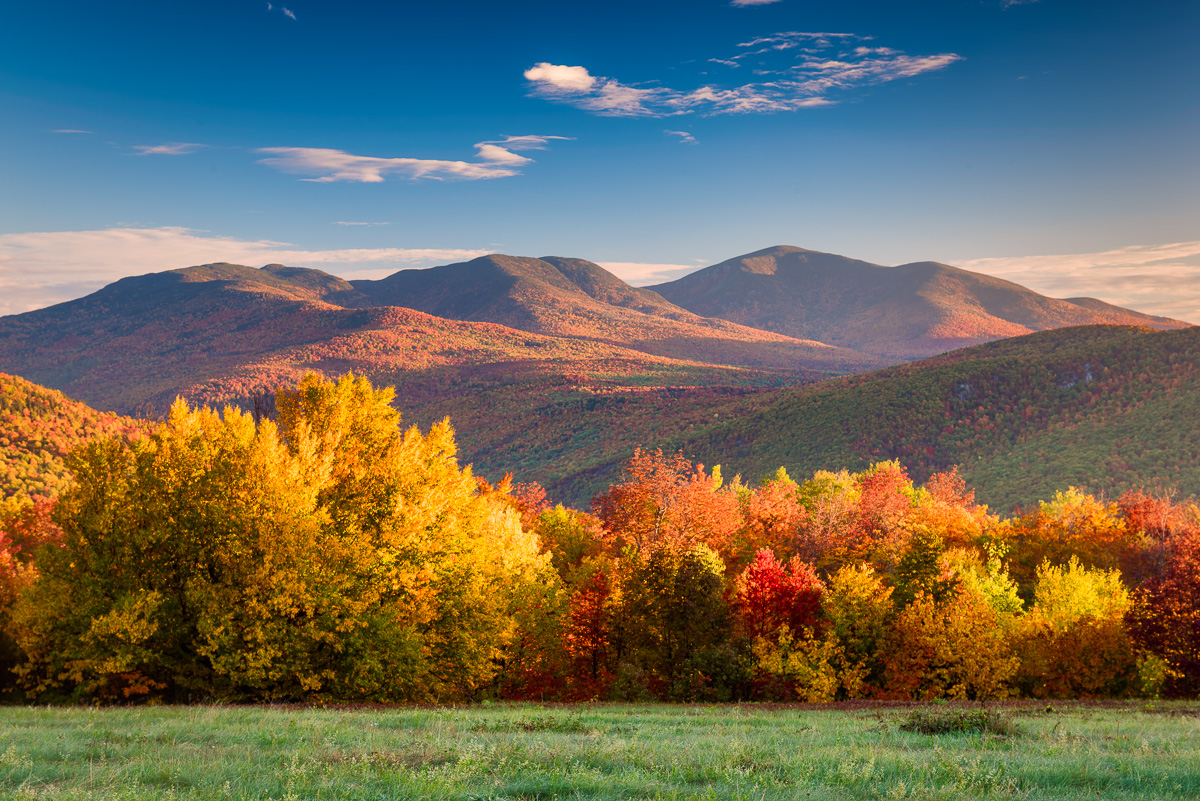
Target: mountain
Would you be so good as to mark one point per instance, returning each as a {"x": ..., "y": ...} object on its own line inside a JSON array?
[
  {"x": 224, "y": 333},
  {"x": 38, "y": 427},
  {"x": 576, "y": 298},
  {"x": 905, "y": 312}
]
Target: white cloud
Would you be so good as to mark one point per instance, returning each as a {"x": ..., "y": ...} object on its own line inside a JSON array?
[
  {"x": 568, "y": 79},
  {"x": 684, "y": 137},
  {"x": 815, "y": 67},
  {"x": 40, "y": 269},
  {"x": 498, "y": 159},
  {"x": 287, "y": 12},
  {"x": 744, "y": 3},
  {"x": 645, "y": 274},
  {"x": 1154, "y": 279},
  {"x": 169, "y": 149},
  {"x": 70, "y": 131}
]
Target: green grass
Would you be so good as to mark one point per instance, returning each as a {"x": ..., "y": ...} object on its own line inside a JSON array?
[{"x": 606, "y": 752}]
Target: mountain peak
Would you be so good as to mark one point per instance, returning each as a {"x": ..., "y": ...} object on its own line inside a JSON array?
[{"x": 906, "y": 312}]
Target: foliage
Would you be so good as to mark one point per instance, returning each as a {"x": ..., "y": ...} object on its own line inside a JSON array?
[
  {"x": 671, "y": 608},
  {"x": 951, "y": 649},
  {"x": 332, "y": 557},
  {"x": 959, "y": 721},
  {"x": 1074, "y": 642},
  {"x": 1165, "y": 616},
  {"x": 38, "y": 428},
  {"x": 667, "y": 502}
]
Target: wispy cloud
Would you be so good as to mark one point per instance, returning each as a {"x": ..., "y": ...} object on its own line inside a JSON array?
[
  {"x": 40, "y": 269},
  {"x": 346, "y": 222},
  {"x": 645, "y": 273},
  {"x": 744, "y": 3},
  {"x": 1155, "y": 279},
  {"x": 497, "y": 159},
  {"x": 804, "y": 69},
  {"x": 287, "y": 12},
  {"x": 684, "y": 137},
  {"x": 169, "y": 149},
  {"x": 70, "y": 131}
]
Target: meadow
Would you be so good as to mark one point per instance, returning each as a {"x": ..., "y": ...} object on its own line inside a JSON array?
[{"x": 1116, "y": 750}]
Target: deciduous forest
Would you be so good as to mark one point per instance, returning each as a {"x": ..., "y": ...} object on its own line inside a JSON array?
[{"x": 325, "y": 553}]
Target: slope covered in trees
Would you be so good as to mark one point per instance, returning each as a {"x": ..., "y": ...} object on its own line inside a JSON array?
[
  {"x": 38, "y": 428},
  {"x": 1100, "y": 407},
  {"x": 905, "y": 312}
]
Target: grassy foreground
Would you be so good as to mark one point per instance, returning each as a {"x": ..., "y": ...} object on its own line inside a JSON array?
[{"x": 606, "y": 752}]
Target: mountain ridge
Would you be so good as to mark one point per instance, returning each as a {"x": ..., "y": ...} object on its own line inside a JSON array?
[{"x": 912, "y": 310}]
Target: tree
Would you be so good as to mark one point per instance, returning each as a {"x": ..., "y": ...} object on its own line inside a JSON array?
[
  {"x": 1165, "y": 616},
  {"x": 952, "y": 649},
  {"x": 770, "y": 596},
  {"x": 859, "y": 608},
  {"x": 669, "y": 502},
  {"x": 332, "y": 556},
  {"x": 671, "y": 608},
  {"x": 1074, "y": 642}
]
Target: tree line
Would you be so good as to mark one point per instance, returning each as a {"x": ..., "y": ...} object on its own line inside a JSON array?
[{"x": 328, "y": 554}]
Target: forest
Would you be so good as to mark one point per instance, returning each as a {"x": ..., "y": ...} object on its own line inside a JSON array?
[{"x": 324, "y": 553}]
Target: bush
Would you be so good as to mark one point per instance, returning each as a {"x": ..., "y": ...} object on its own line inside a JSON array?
[{"x": 959, "y": 721}]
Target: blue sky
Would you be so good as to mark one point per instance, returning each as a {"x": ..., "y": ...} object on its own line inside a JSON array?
[{"x": 1052, "y": 142}]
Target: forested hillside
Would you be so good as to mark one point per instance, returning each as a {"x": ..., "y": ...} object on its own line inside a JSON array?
[
  {"x": 1101, "y": 407},
  {"x": 38, "y": 428}
]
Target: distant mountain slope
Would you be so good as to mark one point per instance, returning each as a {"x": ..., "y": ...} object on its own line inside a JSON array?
[
  {"x": 38, "y": 427},
  {"x": 1100, "y": 407},
  {"x": 224, "y": 333},
  {"x": 905, "y": 312},
  {"x": 576, "y": 298}
]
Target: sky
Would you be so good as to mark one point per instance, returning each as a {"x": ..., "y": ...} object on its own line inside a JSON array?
[{"x": 1051, "y": 142}]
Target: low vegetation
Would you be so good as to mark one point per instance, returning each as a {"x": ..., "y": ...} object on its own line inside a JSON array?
[{"x": 730, "y": 753}]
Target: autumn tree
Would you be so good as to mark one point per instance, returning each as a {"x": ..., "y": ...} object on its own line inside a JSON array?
[
  {"x": 671, "y": 609},
  {"x": 333, "y": 555},
  {"x": 25, "y": 526},
  {"x": 769, "y": 596},
  {"x": 667, "y": 501},
  {"x": 949, "y": 649},
  {"x": 859, "y": 607},
  {"x": 1074, "y": 642},
  {"x": 1165, "y": 616}
]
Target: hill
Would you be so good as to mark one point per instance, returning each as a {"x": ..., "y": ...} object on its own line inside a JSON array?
[
  {"x": 1102, "y": 408},
  {"x": 38, "y": 427},
  {"x": 906, "y": 312}
]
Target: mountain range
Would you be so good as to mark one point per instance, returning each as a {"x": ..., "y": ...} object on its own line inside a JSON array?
[
  {"x": 555, "y": 369},
  {"x": 905, "y": 312}
]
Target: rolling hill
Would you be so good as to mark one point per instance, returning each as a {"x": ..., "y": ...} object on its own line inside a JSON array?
[
  {"x": 1103, "y": 408},
  {"x": 906, "y": 312},
  {"x": 38, "y": 427}
]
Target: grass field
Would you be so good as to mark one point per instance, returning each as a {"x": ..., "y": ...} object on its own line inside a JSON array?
[{"x": 1130, "y": 751}]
